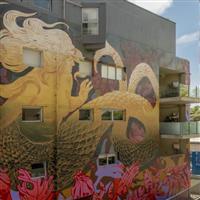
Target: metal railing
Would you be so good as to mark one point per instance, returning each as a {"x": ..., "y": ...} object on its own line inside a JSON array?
[
  {"x": 187, "y": 91},
  {"x": 181, "y": 91},
  {"x": 180, "y": 128}
]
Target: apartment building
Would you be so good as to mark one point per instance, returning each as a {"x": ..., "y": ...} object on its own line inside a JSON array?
[{"x": 94, "y": 102}]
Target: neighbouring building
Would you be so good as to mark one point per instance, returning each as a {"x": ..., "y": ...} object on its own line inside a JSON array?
[
  {"x": 94, "y": 102},
  {"x": 195, "y": 156}
]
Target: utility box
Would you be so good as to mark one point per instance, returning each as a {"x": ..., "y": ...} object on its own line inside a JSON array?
[{"x": 196, "y": 163}]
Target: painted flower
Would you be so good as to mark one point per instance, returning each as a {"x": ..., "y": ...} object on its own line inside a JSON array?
[
  {"x": 32, "y": 189},
  {"x": 83, "y": 186},
  {"x": 4, "y": 185}
]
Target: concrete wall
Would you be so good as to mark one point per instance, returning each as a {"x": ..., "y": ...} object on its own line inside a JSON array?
[{"x": 136, "y": 24}]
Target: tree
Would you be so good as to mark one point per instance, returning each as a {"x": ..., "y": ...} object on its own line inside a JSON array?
[{"x": 195, "y": 113}]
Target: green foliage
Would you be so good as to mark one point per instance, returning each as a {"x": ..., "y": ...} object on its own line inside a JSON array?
[{"x": 195, "y": 113}]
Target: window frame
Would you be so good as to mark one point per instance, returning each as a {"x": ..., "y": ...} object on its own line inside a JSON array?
[
  {"x": 91, "y": 70},
  {"x": 107, "y": 156},
  {"x": 37, "y": 50},
  {"x": 91, "y": 115},
  {"x": 107, "y": 73},
  {"x": 45, "y": 170},
  {"x": 107, "y": 110},
  {"x": 112, "y": 114},
  {"x": 88, "y": 22},
  {"x": 31, "y": 107}
]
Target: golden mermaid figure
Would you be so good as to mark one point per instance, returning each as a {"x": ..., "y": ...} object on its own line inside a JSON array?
[
  {"x": 43, "y": 86},
  {"x": 50, "y": 86}
]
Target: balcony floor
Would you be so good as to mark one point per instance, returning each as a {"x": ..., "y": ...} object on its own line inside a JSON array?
[
  {"x": 179, "y": 100},
  {"x": 176, "y": 136}
]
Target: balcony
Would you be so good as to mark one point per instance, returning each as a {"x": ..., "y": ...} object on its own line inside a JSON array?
[
  {"x": 180, "y": 94},
  {"x": 180, "y": 130}
]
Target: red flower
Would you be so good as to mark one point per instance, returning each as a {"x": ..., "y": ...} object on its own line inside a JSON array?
[
  {"x": 4, "y": 185},
  {"x": 120, "y": 187},
  {"x": 32, "y": 189},
  {"x": 83, "y": 186}
]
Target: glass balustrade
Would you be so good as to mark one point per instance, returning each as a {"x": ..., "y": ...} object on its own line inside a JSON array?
[
  {"x": 180, "y": 128},
  {"x": 181, "y": 91}
]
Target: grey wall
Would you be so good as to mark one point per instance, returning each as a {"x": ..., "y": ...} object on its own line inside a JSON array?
[
  {"x": 56, "y": 7},
  {"x": 130, "y": 22},
  {"x": 124, "y": 20}
]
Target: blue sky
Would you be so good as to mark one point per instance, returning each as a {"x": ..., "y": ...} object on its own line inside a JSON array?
[{"x": 185, "y": 13}]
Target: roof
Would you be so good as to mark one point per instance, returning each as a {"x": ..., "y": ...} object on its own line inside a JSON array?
[{"x": 149, "y": 11}]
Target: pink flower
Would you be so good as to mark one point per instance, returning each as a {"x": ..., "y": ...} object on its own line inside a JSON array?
[
  {"x": 83, "y": 186},
  {"x": 32, "y": 189}
]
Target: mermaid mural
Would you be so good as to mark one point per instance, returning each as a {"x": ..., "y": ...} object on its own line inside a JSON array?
[{"x": 73, "y": 147}]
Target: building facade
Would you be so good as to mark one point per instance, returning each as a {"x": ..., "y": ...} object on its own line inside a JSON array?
[{"x": 80, "y": 92}]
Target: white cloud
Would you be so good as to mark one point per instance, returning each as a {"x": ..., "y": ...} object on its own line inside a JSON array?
[
  {"x": 188, "y": 38},
  {"x": 155, "y": 6}
]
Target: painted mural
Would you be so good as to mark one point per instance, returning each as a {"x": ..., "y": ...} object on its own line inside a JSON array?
[{"x": 93, "y": 160}]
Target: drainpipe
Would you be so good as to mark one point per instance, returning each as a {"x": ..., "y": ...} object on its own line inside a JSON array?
[{"x": 64, "y": 10}]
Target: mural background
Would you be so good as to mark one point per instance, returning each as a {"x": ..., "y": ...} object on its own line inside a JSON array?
[{"x": 72, "y": 147}]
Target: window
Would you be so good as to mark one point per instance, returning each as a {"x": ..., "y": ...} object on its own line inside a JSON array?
[
  {"x": 106, "y": 115},
  {"x": 90, "y": 21},
  {"x": 111, "y": 72},
  {"x": 104, "y": 71},
  {"x": 32, "y": 58},
  {"x": 38, "y": 170},
  {"x": 111, "y": 160},
  {"x": 32, "y": 114},
  {"x": 107, "y": 159},
  {"x": 113, "y": 115},
  {"x": 85, "y": 69},
  {"x": 118, "y": 114},
  {"x": 119, "y": 74},
  {"x": 85, "y": 114},
  {"x": 102, "y": 161},
  {"x": 42, "y": 3}
]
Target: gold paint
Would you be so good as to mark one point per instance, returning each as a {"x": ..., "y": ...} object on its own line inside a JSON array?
[
  {"x": 140, "y": 71},
  {"x": 49, "y": 84},
  {"x": 110, "y": 51}
]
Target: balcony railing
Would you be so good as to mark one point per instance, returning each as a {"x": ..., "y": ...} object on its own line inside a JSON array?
[
  {"x": 181, "y": 91},
  {"x": 180, "y": 128}
]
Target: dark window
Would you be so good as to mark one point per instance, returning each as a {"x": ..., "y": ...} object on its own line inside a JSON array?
[
  {"x": 106, "y": 159},
  {"x": 113, "y": 115},
  {"x": 42, "y": 3},
  {"x": 38, "y": 170},
  {"x": 103, "y": 161},
  {"x": 111, "y": 160},
  {"x": 85, "y": 114},
  {"x": 31, "y": 114},
  {"x": 118, "y": 115},
  {"x": 106, "y": 115}
]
